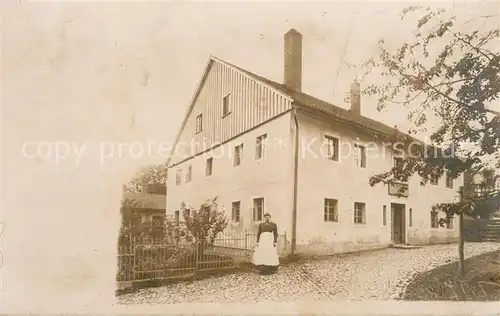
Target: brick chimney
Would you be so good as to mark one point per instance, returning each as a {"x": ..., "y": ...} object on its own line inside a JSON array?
[
  {"x": 355, "y": 97},
  {"x": 293, "y": 60}
]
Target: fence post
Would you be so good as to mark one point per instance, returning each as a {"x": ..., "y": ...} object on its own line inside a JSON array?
[
  {"x": 246, "y": 243},
  {"x": 134, "y": 256},
  {"x": 198, "y": 253},
  {"x": 285, "y": 244}
]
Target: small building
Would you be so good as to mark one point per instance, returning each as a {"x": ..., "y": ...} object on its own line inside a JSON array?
[
  {"x": 151, "y": 203},
  {"x": 263, "y": 146}
]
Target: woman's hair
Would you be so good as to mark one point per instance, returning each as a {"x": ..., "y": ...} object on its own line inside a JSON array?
[{"x": 267, "y": 214}]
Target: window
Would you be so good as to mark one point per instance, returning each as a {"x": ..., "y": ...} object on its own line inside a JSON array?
[
  {"x": 332, "y": 148},
  {"x": 178, "y": 177},
  {"x": 208, "y": 169},
  {"x": 479, "y": 190},
  {"x": 189, "y": 173},
  {"x": 238, "y": 155},
  {"x": 397, "y": 161},
  {"x": 360, "y": 155},
  {"x": 226, "y": 109},
  {"x": 177, "y": 217},
  {"x": 384, "y": 215},
  {"x": 199, "y": 123},
  {"x": 260, "y": 145},
  {"x": 449, "y": 180},
  {"x": 434, "y": 179},
  {"x": 331, "y": 213},
  {"x": 434, "y": 219},
  {"x": 359, "y": 213},
  {"x": 235, "y": 211},
  {"x": 258, "y": 209},
  {"x": 410, "y": 217},
  {"x": 449, "y": 222}
]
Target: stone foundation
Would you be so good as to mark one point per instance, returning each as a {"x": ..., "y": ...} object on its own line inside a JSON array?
[
  {"x": 442, "y": 240},
  {"x": 324, "y": 249},
  {"x": 336, "y": 248}
]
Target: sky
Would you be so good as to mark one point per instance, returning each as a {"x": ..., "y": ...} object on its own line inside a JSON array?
[{"x": 86, "y": 77}]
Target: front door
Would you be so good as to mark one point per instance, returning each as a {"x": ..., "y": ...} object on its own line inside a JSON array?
[{"x": 398, "y": 223}]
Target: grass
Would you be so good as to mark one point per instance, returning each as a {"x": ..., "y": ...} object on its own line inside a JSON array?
[{"x": 480, "y": 283}]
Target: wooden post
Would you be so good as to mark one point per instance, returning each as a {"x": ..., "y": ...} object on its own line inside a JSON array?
[{"x": 461, "y": 267}]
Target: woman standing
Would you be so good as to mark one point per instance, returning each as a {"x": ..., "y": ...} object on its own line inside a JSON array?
[{"x": 265, "y": 257}]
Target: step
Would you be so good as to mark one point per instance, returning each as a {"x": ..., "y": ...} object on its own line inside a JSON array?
[
  {"x": 490, "y": 237},
  {"x": 402, "y": 246}
]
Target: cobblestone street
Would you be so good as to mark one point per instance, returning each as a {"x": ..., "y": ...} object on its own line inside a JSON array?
[{"x": 376, "y": 275}]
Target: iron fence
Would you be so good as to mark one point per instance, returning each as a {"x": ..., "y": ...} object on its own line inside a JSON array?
[
  {"x": 160, "y": 259},
  {"x": 243, "y": 243}
]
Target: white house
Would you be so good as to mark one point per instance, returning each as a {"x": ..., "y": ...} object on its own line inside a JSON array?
[{"x": 262, "y": 146}]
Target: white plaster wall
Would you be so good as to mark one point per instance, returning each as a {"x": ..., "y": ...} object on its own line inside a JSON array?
[
  {"x": 269, "y": 178},
  {"x": 320, "y": 178}
]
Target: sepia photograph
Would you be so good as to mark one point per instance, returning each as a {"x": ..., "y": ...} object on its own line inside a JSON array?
[{"x": 250, "y": 158}]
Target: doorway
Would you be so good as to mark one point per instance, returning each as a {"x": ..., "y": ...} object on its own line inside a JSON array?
[{"x": 398, "y": 223}]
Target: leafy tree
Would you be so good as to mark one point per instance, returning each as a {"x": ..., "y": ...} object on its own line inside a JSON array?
[
  {"x": 206, "y": 222},
  {"x": 449, "y": 73},
  {"x": 154, "y": 175},
  {"x": 131, "y": 223},
  {"x": 177, "y": 233}
]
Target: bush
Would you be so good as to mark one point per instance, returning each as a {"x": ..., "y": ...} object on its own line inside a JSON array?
[
  {"x": 206, "y": 222},
  {"x": 157, "y": 252},
  {"x": 152, "y": 261}
]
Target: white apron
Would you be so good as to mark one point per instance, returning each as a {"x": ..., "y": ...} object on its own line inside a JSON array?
[{"x": 265, "y": 253}]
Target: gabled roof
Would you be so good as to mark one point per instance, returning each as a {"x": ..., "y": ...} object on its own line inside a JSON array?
[
  {"x": 313, "y": 103},
  {"x": 270, "y": 84},
  {"x": 300, "y": 99}
]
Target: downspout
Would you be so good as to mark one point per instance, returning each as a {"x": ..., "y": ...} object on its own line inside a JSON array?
[{"x": 295, "y": 180}]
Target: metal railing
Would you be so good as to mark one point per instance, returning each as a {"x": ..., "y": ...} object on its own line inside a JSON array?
[
  {"x": 160, "y": 259},
  {"x": 244, "y": 242}
]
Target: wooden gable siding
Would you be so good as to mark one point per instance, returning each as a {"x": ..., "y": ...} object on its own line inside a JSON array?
[{"x": 251, "y": 103}]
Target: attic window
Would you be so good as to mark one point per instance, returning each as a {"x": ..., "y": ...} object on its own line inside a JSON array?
[
  {"x": 226, "y": 106},
  {"x": 199, "y": 123}
]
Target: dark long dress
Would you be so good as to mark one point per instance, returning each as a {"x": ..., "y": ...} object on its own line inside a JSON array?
[{"x": 266, "y": 256}]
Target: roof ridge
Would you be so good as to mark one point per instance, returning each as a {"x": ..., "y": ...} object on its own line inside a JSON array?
[{"x": 305, "y": 98}]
